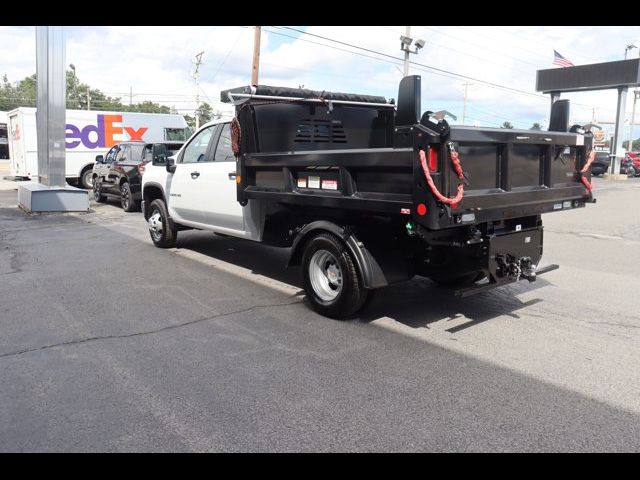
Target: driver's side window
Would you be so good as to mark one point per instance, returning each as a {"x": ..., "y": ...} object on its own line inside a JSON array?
[
  {"x": 196, "y": 150},
  {"x": 111, "y": 154}
]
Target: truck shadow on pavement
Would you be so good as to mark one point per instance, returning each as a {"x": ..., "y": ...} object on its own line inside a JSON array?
[
  {"x": 420, "y": 302},
  {"x": 260, "y": 259},
  {"x": 416, "y": 303}
]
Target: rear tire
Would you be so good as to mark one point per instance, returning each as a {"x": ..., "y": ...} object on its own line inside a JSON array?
[
  {"x": 162, "y": 230},
  {"x": 86, "y": 178},
  {"x": 331, "y": 278},
  {"x": 126, "y": 198},
  {"x": 97, "y": 194}
]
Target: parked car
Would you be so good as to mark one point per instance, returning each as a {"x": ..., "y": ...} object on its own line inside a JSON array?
[
  {"x": 633, "y": 159},
  {"x": 601, "y": 163},
  {"x": 119, "y": 173}
]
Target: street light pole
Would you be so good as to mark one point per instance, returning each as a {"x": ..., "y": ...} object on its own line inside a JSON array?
[
  {"x": 406, "y": 53},
  {"x": 405, "y": 46},
  {"x": 629, "y": 47}
]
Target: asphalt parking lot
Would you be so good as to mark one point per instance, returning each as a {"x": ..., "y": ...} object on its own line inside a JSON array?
[{"x": 110, "y": 344}]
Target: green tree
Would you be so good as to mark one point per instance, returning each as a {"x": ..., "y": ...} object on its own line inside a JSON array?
[
  {"x": 26, "y": 91},
  {"x": 536, "y": 126},
  {"x": 8, "y": 95},
  {"x": 191, "y": 120},
  {"x": 148, "y": 107},
  {"x": 79, "y": 96},
  {"x": 204, "y": 113},
  {"x": 506, "y": 125}
]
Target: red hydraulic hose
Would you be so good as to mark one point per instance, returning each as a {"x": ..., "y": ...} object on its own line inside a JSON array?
[
  {"x": 455, "y": 160},
  {"x": 587, "y": 184}
]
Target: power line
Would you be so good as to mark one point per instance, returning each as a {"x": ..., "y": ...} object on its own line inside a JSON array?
[
  {"x": 447, "y": 72},
  {"x": 443, "y": 71}
]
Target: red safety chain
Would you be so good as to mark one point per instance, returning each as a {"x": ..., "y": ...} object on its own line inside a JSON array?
[
  {"x": 587, "y": 184},
  {"x": 455, "y": 160}
]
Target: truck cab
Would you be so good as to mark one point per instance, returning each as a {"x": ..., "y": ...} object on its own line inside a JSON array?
[{"x": 198, "y": 184}]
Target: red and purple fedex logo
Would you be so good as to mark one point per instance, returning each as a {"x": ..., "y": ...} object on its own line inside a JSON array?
[{"x": 104, "y": 131}]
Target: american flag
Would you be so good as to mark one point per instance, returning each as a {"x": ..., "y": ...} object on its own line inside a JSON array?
[{"x": 560, "y": 60}]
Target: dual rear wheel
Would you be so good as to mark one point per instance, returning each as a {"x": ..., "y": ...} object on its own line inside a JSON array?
[{"x": 332, "y": 281}]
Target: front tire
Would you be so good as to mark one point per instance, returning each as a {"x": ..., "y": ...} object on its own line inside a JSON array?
[
  {"x": 332, "y": 282},
  {"x": 162, "y": 230},
  {"x": 126, "y": 198}
]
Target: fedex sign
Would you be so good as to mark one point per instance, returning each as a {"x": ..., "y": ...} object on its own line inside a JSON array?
[{"x": 101, "y": 135}]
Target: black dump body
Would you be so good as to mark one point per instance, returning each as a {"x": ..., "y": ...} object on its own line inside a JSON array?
[{"x": 355, "y": 152}]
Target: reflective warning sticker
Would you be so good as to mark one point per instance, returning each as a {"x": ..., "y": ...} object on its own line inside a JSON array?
[
  {"x": 329, "y": 184},
  {"x": 314, "y": 182},
  {"x": 302, "y": 182}
]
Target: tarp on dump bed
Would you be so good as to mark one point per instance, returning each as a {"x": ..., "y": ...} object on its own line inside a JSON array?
[{"x": 300, "y": 93}]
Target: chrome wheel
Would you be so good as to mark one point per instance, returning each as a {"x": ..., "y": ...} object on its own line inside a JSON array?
[
  {"x": 155, "y": 225},
  {"x": 87, "y": 179},
  {"x": 125, "y": 196},
  {"x": 325, "y": 275}
]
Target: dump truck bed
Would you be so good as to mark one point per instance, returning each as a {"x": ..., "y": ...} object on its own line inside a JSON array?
[
  {"x": 360, "y": 153},
  {"x": 510, "y": 173}
]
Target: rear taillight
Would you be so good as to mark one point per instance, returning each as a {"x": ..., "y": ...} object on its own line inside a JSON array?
[{"x": 433, "y": 160}]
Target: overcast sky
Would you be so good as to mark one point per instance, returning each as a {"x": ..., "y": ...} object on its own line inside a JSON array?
[{"x": 156, "y": 63}]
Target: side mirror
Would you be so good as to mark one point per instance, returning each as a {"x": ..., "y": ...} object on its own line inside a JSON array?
[
  {"x": 171, "y": 165},
  {"x": 99, "y": 159}
]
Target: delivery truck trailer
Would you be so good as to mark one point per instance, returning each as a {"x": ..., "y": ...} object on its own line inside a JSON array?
[{"x": 88, "y": 133}]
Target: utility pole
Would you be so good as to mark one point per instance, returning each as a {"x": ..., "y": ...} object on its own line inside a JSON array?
[
  {"x": 130, "y": 95},
  {"x": 464, "y": 108},
  {"x": 636, "y": 94},
  {"x": 196, "y": 75},
  {"x": 88, "y": 98},
  {"x": 256, "y": 55}
]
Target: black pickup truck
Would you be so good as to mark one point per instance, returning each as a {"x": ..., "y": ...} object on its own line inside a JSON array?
[
  {"x": 119, "y": 172},
  {"x": 367, "y": 192}
]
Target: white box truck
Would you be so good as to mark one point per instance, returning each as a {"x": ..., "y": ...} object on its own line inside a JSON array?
[
  {"x": 88, "y": 133},
  {"x": 4, "y": 137}
]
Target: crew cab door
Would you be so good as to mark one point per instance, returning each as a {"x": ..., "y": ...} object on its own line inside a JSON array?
[
  {"x": 113, "y": 176},
  {"x": 185, "y": 195},
  {"x": 218, "y": 182},
  {"x": 102, "y": 169}
]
